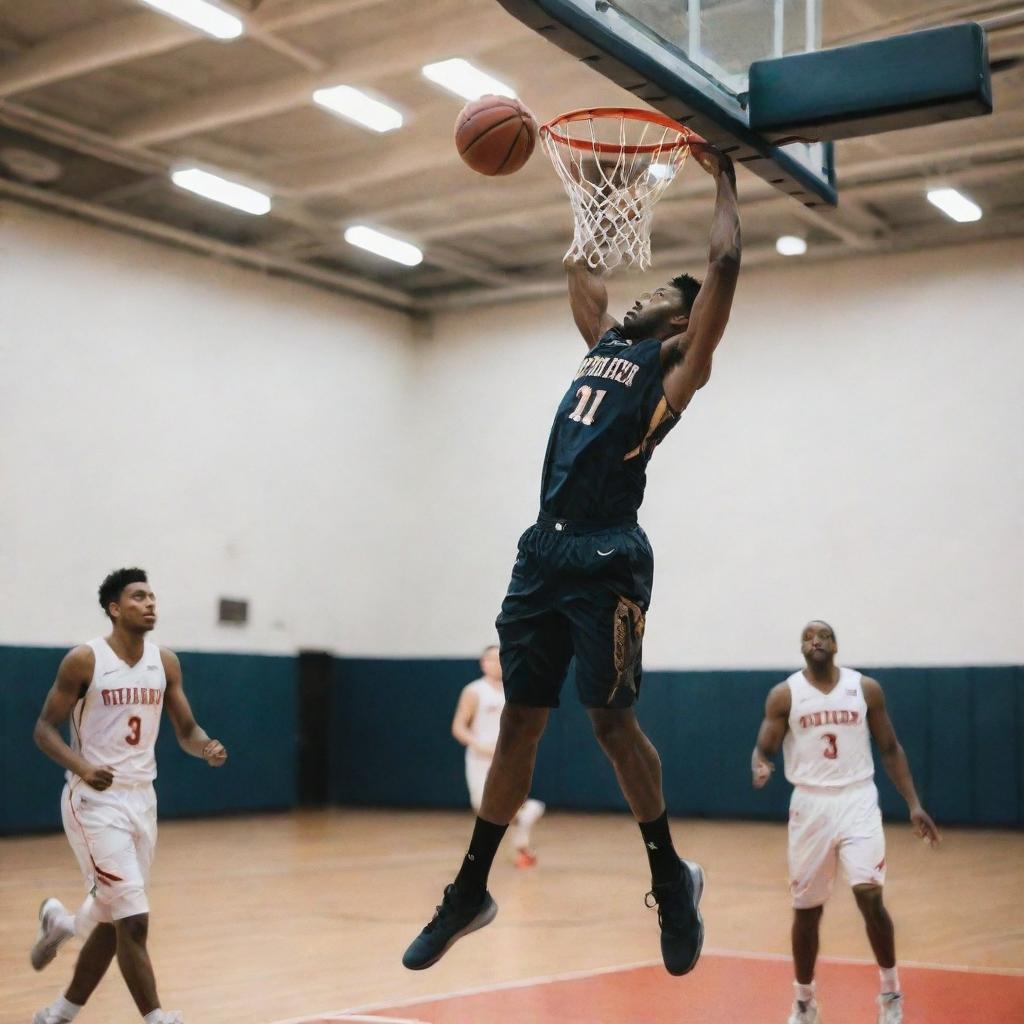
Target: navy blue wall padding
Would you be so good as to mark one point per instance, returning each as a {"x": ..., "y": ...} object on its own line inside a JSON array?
[
  {"x": 30, "y": 784},
  {"x": 391, "y": 741},
  {"x": 962, "y": 728},
  {"x": 246, "y": 701}
]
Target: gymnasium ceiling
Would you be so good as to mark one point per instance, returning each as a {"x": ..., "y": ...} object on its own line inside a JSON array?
[{"x": 99, "y": 99}]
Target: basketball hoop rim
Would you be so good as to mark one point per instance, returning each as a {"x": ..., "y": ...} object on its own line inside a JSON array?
[{"x": 687, "y": 136}]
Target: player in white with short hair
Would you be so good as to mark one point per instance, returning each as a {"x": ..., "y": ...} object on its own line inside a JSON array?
[
  {"x": 113, "y": 689},
  {"x": 824, "y": 718},
  {"x": 475, "y": 726}
]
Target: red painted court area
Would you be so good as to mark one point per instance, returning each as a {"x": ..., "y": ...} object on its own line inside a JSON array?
[{"x": 725, "y": 989}]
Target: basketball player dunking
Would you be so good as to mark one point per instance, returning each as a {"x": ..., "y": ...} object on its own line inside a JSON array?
[
  {"x": 824, "y": 717},
  {"x": 581, "y": 584},
  {"x": 113, "y": 689},
  {"x": 475, "y": 726}
]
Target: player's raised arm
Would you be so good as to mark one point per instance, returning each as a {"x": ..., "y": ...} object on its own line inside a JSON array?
[
  {"x": 771, "y": 734},
  {"x": 192, "y": 738},
  {"x": 588, "y": 300},
  {"x": 690, "y": 368},
  {"x": 73, "y": 676},
  {"x": 894, "y": 760}
]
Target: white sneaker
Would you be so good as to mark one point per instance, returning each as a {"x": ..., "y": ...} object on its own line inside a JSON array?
[
  {"x": 54, "y": 931},
  {"x": 805, "y": 1013},
  {"x": 48, "y": 1015},
  {"x": 890, "y": 1008},
  {"x": 168, "y": 1017}
]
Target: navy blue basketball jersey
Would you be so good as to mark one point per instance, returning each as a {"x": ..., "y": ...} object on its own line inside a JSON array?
[{"x": 606, "y": 428}]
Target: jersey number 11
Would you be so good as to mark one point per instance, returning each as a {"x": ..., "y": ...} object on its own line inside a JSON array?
[{"x": 584, "y": 395}]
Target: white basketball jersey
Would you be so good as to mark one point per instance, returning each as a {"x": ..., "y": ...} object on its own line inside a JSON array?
[
  {"x": 828, "y": 743},
  {"x": 116, "y": 722},
  {"x": 487, "y": 718}
]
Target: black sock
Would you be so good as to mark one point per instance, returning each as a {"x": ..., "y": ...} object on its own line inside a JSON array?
[
  {"x": 660, "y": 851},
  {"x": 471, "y": 881}
]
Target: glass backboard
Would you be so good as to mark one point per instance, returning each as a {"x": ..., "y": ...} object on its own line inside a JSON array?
[{"x": 690, "y": 59}]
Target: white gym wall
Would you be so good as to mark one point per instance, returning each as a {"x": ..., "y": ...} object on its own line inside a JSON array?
[
  {"x": 857, "y": 456},
  {"x": 233, "y": 434}
]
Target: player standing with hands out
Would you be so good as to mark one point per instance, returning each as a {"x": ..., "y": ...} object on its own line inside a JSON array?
[
  {"x": 113, "y": 689},
  {"x": 824, "y": 718}
]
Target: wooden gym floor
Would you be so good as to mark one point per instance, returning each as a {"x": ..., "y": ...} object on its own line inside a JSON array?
[{"x": 305, "y": 916}]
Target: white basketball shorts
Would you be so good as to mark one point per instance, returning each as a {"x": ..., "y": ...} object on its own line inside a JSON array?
[
  {"x": 829, "y": 827},
  {"x": 113, "y": 836},
  {"x": 476, "y": 775}
]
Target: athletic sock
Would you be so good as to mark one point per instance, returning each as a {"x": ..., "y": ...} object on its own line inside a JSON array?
[
  {"x": 804, "y": 993},
  {"x": 890, "y": 979},
  {"x": 153, "y": 1017},
  {"x": 661, "y": 853},
  {"x": 66, "y": 1009},
  {"x": 471, "y": 881}
]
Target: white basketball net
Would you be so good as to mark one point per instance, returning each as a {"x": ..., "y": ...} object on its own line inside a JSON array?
[{"x": 614, "y": 165}]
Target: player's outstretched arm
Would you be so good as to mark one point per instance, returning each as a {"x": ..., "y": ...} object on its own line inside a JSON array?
[
  {"x": 894, "y": 760},
  {"x": 690, "y": 354},
  {"x": 588, "y": 299},
  {"x": 771, "y": 734},
  {"x": 73, "y": 676},
  {"x": 191, "y": 736}
]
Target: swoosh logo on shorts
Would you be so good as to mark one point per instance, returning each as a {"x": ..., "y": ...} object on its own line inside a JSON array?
[{"x": 605, "y": 554}]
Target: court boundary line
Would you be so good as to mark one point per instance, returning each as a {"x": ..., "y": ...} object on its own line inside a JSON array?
[{"x": 593, "y": 972}]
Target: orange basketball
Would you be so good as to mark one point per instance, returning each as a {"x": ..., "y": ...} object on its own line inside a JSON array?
[{"x": 495, "y": 134}]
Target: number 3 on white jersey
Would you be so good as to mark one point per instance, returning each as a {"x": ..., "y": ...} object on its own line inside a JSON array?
[{"x": 584, "y": 393}]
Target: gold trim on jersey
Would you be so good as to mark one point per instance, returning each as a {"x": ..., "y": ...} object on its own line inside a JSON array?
[{"x": 660, "y": 412}]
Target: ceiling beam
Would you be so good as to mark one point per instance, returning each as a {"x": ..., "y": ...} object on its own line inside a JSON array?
[
  {"x": 146, "y": 33},
  {"x": 480, "y": 29},
  {"x": 87, "y": 49},
  {"x": 250, "y": 257},
  {"x": 287, "y": 210}
]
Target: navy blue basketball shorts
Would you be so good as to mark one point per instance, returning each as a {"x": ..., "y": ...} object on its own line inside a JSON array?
[{"x": 576, "y": 593}]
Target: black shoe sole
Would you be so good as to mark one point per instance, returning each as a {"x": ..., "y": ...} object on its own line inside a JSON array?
[
  {"x": 484, "y": 918},
  {"x": 698, "y": 879}
]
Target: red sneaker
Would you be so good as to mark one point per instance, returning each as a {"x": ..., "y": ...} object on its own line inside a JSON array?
[{"x": 525, "y": 859}]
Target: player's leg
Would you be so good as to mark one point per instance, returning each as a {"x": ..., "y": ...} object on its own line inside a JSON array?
[
  {"x": 812, "y": 869},
  {"x": 522, "y": 826},
  {"x": 56, "y": 923},
  {"x": 133, "y": 959},
  {"x": 606, "y": 592},
  {"x": 94, "y": 958},
  {"x": 535, "y": 653},
  {"x": 862, "y": 855}
]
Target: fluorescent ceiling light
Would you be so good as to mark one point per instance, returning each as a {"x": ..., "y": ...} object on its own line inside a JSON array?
[
  {"x": 206, "y": 17},
  {"x": 790, "y": 245},
  {"x": 954, "y": 204},
  {"x": 221, "y": 190},
  {"x": 460, "y": 77},
  {"x": 357, "y": 106},
  {"x": 383, "y": 245}
]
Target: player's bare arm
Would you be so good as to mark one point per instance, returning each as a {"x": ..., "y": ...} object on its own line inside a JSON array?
[
  {"x": 771, "y": 734},
  {"x": 192, "y": 738},
  {"x": 894, "y": 760},
  {"x": 688, "y": 356},
  {"x": 462, "y": 722},
  {"x": 588, "y": 299},
  {"x": 73, "y": 676}
]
